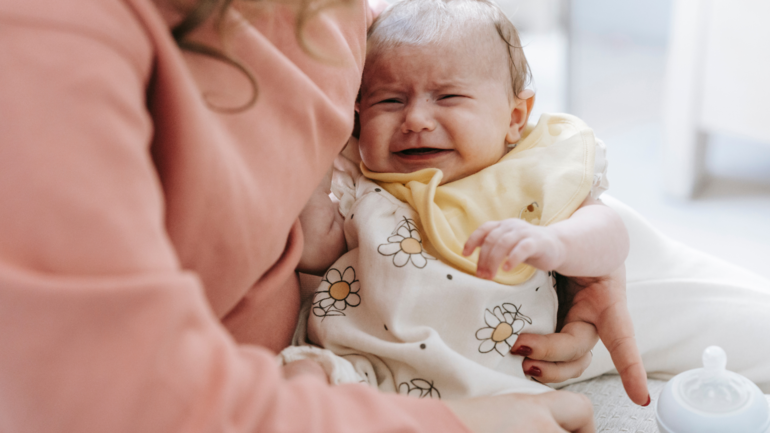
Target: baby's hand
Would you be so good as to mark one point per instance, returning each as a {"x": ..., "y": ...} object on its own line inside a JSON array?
[{"x": 514, "y": 241}]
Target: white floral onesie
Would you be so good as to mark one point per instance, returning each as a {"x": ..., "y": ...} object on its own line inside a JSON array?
[{"x": 410, "y": 323}]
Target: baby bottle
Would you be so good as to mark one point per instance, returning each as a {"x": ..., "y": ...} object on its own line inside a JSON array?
[{"x": 712, "y": 399}]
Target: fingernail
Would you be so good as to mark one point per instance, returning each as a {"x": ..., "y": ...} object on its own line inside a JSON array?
[
  {"x": 648, "y": 401},
  {"x": 534, "y": 371},
  {"x": 523, "y": 351}
]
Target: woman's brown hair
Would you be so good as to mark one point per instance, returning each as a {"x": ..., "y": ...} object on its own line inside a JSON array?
[{"x": 204, "y": 10}]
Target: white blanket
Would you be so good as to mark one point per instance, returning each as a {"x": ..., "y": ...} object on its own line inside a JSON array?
[{"x": 682, "y": 301}]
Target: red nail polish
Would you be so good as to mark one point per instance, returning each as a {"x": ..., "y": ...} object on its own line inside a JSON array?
[
  {"x": 523, "y": 351},
  {"x": 648, "y": 401},
  {"x": 534, "y": 371}
]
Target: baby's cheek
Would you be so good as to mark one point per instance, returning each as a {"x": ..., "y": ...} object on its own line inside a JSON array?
[
  {"x": 373, "y": 153},
  {"x": 369, "y": 156}
]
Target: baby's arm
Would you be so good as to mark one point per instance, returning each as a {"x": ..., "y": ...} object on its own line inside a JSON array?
[
  {"x": 592, "y": 242},
  {"x": 322, "y": 227}
]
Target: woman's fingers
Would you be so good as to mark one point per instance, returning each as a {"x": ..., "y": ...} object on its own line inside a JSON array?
[
  {"x": 604, "y": 304},
  {"x": 617, "y": 333},
  {"x": 554, "y": 358},
  {"x": 575, "y": 340},
  {"x": 304, "y": 367},
  {"x": 632, "y": 373},
  {"x": 555, "y": 372},
  {"x": 550, "y": 412},
  {"x": 573, "y": 412}
]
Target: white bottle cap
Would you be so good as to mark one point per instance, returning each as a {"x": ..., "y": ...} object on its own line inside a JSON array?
[{"x": 712, "y": 399}]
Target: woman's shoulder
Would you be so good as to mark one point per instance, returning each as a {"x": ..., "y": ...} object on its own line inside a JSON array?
[{"x": 121, "y": 25}]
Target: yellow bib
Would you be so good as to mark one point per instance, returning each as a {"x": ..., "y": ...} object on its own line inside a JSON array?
[{"x": 543, "y": 180}]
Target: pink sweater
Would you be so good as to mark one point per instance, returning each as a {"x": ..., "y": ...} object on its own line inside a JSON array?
[{"x": 138, "y": 226}]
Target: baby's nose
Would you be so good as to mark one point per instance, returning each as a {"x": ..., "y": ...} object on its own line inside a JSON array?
[{"x": 418, "y": 117}]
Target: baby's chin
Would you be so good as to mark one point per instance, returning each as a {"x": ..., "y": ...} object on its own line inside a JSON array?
[{"x": 448, "y": 174}]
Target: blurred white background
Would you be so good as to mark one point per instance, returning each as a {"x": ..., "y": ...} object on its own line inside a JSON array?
[{"x": 606, "y": 62}]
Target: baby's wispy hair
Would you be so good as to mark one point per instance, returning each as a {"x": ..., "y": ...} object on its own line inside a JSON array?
[{"x": 423, "y": 22}]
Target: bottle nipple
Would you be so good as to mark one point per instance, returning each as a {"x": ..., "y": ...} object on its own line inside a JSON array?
[
  {"x": 714, "y": 359},
  {"x": 714, "y": 389}
]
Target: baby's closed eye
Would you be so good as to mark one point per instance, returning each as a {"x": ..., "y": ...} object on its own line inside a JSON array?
[{"x": 452, "y": 99}]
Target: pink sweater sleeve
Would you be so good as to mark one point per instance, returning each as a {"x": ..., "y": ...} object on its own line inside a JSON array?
[{"x": 102, "y": 327}]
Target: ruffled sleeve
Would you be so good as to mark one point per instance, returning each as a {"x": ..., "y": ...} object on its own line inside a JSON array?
[
  {"x": 600, "y": 182},
  {"x": 345, "y": 176}
]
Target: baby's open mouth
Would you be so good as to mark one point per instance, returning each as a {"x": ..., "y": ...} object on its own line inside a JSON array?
[{"x": 420, "y": 151}]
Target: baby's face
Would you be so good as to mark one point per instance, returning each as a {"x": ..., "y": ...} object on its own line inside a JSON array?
[{"x": 442, "y": 105}]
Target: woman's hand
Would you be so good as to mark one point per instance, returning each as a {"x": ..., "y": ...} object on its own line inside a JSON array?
[
  {"x": 322, "y": 230},
  {"x": 304, "y": 367},
  {"x": 596, "y": 308},
  {"x": 557, "y": 411}
]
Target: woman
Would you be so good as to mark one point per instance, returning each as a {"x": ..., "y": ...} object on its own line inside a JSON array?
[{"x": 150, "y": 197}]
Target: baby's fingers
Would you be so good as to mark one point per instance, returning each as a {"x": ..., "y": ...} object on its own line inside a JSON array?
[
  {"x": 523, "y": 250},
  {"x": 476, "y": 238},
  {"x": 495, "y": 249}
]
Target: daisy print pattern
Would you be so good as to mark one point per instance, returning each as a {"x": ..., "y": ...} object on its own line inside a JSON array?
[
  {"x": 337, "y": 292},
  {"x": 405, "y": 245},
  {"x": 419, "y": 388},
  {"x": 503, "y": 327}
]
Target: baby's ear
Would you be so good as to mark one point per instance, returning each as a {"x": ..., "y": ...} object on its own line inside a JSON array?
[{"x": 521, "y": 109}]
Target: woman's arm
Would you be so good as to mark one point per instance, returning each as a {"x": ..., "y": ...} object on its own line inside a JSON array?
[
  {"x": 102, "y": 326},
  {"x": 558, "y": 411},
  {"x": 322, "y": 227}
]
